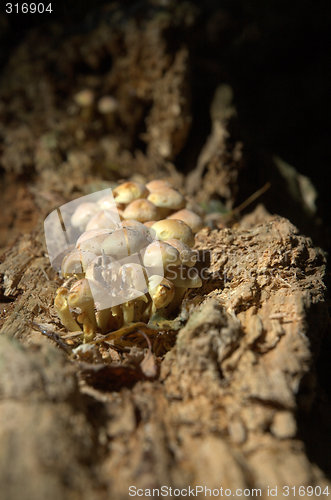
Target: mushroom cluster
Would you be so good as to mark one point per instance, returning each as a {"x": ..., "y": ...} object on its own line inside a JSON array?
[{"x": 133, "y": 258}]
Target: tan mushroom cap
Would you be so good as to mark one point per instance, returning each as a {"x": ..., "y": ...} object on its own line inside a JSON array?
[
  {"x": 105, "y": 219},
  {"x": 190, "y": 218},
  {"x": 161, "y": 255},
  {"x": 84, "y": 98},
  {"x": 129, "y": 191},
  {"x": 167, "y": 229},
  {"x": 188, "y": 257},
  {"x": 83, "y": 213},
  {"x": 157, "y": 184},
  {"x": 141, "y": 210},
  {"x": 167, "y": 198},
  {"x": 107, "y": 104}
]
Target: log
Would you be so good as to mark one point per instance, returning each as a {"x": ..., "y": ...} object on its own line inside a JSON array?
[{"x": 221, "y": 412}]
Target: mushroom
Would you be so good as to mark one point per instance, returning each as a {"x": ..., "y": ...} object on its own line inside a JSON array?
[
  {"x": 190, "y": 218},
  {"x": 124, "y": 242},
  {"x": 182, "y": 278},
  {"x": 167, "y": 198},
  {"x": 167, "y": 229},
  {"x": 129, "y": 191},
  {"x": 91, "y": 241},
  {"x": 63, "y": 311},
  {"x": 157, "y": 184},
  {"x": 85, "y": 99},
  {"x": 160, "y": 254},
  {"x": 76, "y": 262},
  {"x": 134, "y": 287},
  {"x": 107, "y": 203},
  {"x": 188, "y": 257},
  {"x": 161, "y": 290},
  {"x": 107, "y": 107},
  {"x": 80, "y": 296},
  {"x": 139, "y": 226},
  {"x": 104, "y": 219},
  {"x": 141, "y": 210},
  {"x": 83, "y": 213}
]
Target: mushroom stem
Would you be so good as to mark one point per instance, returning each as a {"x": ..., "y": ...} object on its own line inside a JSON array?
[
  {"x": 88, "y": 327},
  {"x": 128, "y": 312},
  {"x": 63, "y": 311},
  {"x": 102, "y": 319}
]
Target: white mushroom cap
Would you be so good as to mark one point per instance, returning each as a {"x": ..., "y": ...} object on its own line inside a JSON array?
[
  {"x": 90, "y": 241},
  {"x": 157, "y": 184},
  {"x": 161, "y": 290},
  {"x": 107, "y": 203},
  {"x": 167, "y": 229},
  {"x": 160, "y": 254},
  {"x": 167, "y": 198},
  {"x": 190, "y": 218},
  {"x": 83, "y": 213},
  {"x": 76, "y": 262},
  {"x": 141, "y": 210},
  {"x": 188, "y": 257},
  {"x": 107, "y": 104},
  {"x": 129, "y": 191},
  {"x": 105, "y": 219}
]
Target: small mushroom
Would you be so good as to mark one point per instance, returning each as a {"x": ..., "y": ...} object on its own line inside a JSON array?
[
  {"x": 107, "y": 107},
  {"x": 184, "y": 277},
  {"x": 139, "y": 226},
  {"x": 160, "y": 254},
  {"x": 91, "y": 241},
  {"x": 188, "y": 257},
  {"x": 157, "y": 184},
  {"x": 85, "y": 100},
  {"x": 161, "y": 290},
  {"x": 141, "y": 210},
  {"x": 80, "y": 296},
  {"x": 107, "y": 203},
  {"x": 129, "y": 191},
  {"x": 124, "y": 242},
  {"x": 190, "y": 218},
  {"x": 105, "y": 219},
  {"x": 167, "y": 229},
  {"x": 63, "y": 311},
  {"x": 167, "y": 198},
  {"x": 83, "y": 213},
  {"x": 76, "y": 262}
]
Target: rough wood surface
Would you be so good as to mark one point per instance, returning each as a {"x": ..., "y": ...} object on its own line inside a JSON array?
[{"x": 222, "y": 410}]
